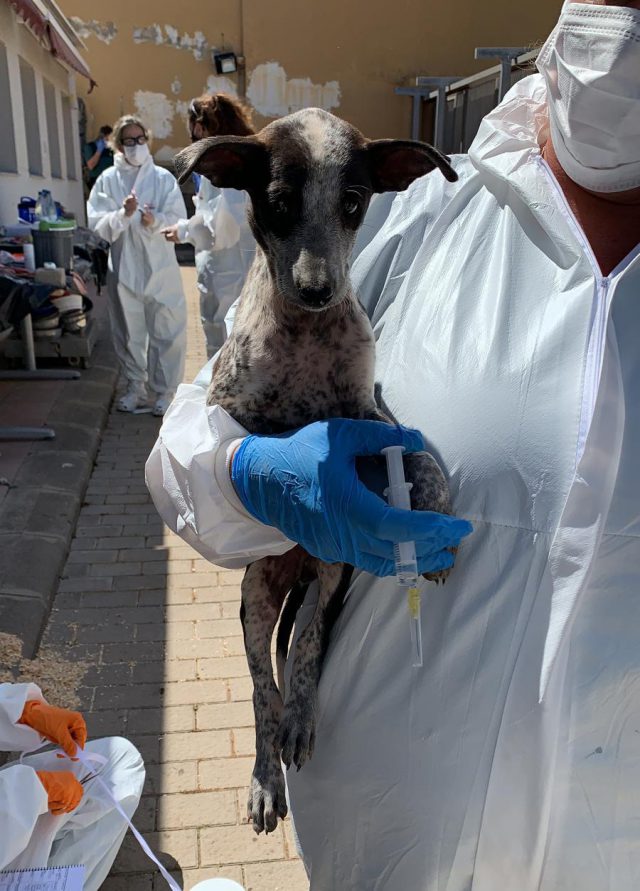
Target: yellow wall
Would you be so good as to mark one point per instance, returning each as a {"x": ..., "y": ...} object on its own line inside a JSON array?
[{"x": 345, "y": 54}]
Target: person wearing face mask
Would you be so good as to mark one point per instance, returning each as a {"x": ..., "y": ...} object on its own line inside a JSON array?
[
  {"x": 129, "y": 206},
  {"x": 507, "y": 314},
  {"x": 97, "y": 156},
  {"x": 219, "y": 230}
]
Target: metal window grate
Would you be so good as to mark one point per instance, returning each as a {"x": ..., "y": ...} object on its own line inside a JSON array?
[
  {"x": 69, "y": 139},
  {"x": 450, "y": 118},
  {"x": 53, "y": 133},
  {"x": 8, "y": 155},
  {"x": 31, "y": 120}
]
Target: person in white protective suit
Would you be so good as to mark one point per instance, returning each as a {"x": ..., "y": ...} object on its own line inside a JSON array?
[
  {"x": 219, "y": 230},
  {"x": 507, "y": 319},
  {"x": 53, "y": 812},
  {"x": 129, "y": 205}
]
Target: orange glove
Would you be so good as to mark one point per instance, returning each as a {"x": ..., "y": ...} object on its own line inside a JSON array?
[
  {"x": 63, "y": 789},
  {"x": 58, "y": 725}
]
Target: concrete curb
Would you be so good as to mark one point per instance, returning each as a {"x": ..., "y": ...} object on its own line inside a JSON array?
[{"x": 38, "y": 515}]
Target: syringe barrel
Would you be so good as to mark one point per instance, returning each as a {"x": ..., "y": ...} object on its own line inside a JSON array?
[
  {"x": 406, "y": 563},
  {"x": 398, "y": 496},
  {"x": 395, "y": 467}
]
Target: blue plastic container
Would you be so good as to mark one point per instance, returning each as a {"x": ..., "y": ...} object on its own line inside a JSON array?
[{"x": 27, "y": 209}]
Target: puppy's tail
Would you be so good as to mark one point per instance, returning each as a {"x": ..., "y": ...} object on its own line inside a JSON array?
[{"x": 294, "y": 601}]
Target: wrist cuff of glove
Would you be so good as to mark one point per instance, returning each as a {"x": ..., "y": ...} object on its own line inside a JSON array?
[
  {"x": 27, "y": 713},
  {"x": 223, "y": 470}
]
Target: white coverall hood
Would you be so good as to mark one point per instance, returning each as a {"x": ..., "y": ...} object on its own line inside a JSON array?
[{"x": 511, "y": 760}]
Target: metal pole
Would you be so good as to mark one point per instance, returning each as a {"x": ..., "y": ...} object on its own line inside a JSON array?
[
  {"x": 25, "y": 434},
  {"x": 507, "y": 56},
  {"x": 439, "y": 85},
  {"x": 26, "y": 333},
  {"x": 440, "y": 116},
  {"x": 416, "y": 116}
]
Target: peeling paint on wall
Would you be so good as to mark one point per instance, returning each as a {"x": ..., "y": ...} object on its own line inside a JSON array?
[
  {"x": 156, "y": 111},
  {"x": 176, "y": 86},
  {"x": 196, "y": 44},
  {"x": 104, "y": 31},
  {"x": 182, "y": 108},
  {"x": 217, "y": 84},
  {"x": 165, "y": 153},
  {"x": 272, "y": 94}
]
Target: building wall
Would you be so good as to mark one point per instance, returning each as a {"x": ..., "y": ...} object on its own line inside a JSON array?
[
  {"x": 345, "y": 55},
  {"x": 54, "y": 89}
]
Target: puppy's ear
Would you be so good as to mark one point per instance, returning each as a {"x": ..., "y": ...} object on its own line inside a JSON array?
[
  {"x": 230, "y": 162},
  {"x": 395, "y": 163}
]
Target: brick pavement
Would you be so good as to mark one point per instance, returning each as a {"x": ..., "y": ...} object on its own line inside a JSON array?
[
  {"x": 159, "y": 627},
  {"x": 42, "y": 483}
]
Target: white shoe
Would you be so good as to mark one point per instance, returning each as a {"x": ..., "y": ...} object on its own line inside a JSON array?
[
  {"x": 134, "y": 400},
  {"x": 161, "y": 404}
]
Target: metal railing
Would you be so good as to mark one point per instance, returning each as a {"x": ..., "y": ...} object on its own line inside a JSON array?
[{"x": 447, "y": 111}]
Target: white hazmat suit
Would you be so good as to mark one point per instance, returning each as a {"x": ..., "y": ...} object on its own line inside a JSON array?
[
  {"x": 147, "y": 306},
  {"x": 91, "y": 834},
  {"x": 511, "y": 760},
  {"x": 224, "y": 250}
]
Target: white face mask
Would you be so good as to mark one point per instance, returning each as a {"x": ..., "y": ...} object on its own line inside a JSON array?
[
  {"x": 591, "y": 65},
  {"x": 136, "y": 154}
]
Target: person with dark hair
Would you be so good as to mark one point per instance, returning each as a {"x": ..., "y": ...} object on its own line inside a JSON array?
[
  {"x": 97, "y": 156},
  {"x": 219, "y": 230}
]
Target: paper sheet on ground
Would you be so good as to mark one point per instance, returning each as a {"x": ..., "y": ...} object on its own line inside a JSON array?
[{"x": 61, "y": 878}]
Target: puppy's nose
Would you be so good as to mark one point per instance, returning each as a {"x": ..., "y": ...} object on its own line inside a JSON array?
[{"x": 316, "y": 296}]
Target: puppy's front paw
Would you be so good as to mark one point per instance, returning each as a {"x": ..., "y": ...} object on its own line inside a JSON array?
[
  {"x": 297, "y": 732},
  {"x": 442, "y": 575},
  {"x": 267, "y": 797}
]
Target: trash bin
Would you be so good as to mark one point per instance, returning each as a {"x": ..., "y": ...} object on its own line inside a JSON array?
[{"x": 53, "y": 246}]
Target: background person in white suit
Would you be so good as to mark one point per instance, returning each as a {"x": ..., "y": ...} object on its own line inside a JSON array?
[
  {"x": 129, "y": 205},
  {"x": 219, "y": 229}
]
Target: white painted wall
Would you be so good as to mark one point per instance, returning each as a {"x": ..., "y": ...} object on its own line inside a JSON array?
[{"x": 20, "y": 43}]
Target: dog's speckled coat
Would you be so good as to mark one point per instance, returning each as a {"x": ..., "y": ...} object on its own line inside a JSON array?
[{"x": 301, "y": 350}]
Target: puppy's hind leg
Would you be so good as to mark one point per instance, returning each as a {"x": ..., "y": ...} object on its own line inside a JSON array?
[
  {"x": 264, "y": 588},
  {"x": 287, "y": 621}
]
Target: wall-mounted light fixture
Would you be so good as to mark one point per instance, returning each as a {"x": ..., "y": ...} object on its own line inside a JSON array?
[{"x": 225, "y": 62}]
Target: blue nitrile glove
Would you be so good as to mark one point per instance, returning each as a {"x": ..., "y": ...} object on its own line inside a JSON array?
[
  {"x": 305, "y": 484},
  {"x": 100, "y": 144}
]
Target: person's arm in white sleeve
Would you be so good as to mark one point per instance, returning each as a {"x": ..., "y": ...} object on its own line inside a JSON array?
[
  {"x": 15, "y": 737},
  {"x": 104, "y": 215},
  {"x": 196, "y": 232},
  {"x": 171, "y": 211},
  {"x": 209, "y": 200},
  {"x": 23, "y": 799},
  {"x": 189, "y": 481}
]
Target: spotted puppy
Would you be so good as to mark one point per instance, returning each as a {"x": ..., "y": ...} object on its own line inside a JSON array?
[{"x": 301, "y": 350}]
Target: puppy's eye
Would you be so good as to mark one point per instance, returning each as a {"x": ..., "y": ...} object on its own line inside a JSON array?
[{"x": 351, "y": 203}]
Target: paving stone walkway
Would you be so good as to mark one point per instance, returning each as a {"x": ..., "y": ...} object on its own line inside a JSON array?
[{"x": 159, "y": 629}]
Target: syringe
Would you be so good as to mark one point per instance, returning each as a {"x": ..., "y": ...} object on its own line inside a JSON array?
[{"x": 405, "y": 551}]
